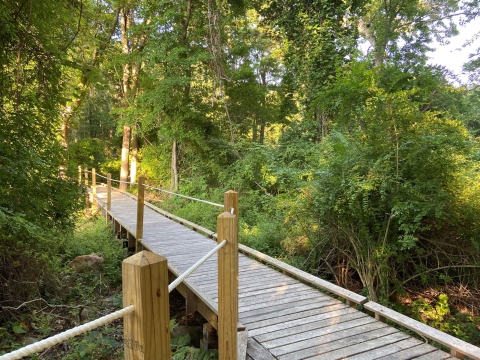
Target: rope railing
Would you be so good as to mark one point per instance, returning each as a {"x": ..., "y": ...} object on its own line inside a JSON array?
[
  {"x": 158, "y": 189},
  {"x": 184, "y": 196},
  {"x": 123, "y": 182},
  {"x": 194, "y": 267},
  {"x": 56, "y": 339},
  {"x": 102, "y": 176}
]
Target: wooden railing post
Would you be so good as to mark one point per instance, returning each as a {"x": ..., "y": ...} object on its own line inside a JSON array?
[
  {"x": 145, "y": 286},
  {"x": 227, "y": 283},
  {"x": 94, "y": 191},
  {"x": 109, "y": 192},
  {"x": 230, "y": 201},
  {"x": 140, "y": 210},
  {"x": 79, "y": 175}
]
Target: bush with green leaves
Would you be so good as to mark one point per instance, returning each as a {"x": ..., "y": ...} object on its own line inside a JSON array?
[
  {"x": 438, "y": 314},
  {"x": 92, "y": 236},
  {"x": 388, "y": 193},
  {"x": 181, "y": 349}
]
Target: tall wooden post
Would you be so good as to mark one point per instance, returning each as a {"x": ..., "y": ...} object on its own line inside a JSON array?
[
  {"x": 109, "y": 192},
  {"x": 86, "y": 177},
  {"x": 230, "y": 201},
  {"x": 140, "y": 210},
  {"x": 94, "y": 191},
  {"x": 79, "y": 175},
  {"x": 227, "y": 286},
  {"x": 145, "y": 286}
]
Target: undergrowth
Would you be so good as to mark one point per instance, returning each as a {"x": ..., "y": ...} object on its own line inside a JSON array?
[{"x": 79, "y": 297}]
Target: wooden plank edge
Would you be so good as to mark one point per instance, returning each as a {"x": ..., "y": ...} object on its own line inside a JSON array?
[
  {"x": 314, "y": 280},
  {"x": 459, "y": 346}
]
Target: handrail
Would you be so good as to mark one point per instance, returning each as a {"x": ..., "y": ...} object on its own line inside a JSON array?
[
  {"x": 155, "y": 188},
  {"x": 185, "y": 196},
  {"x": 195, "y": 266},
  {"x": 58, "y": 338},
  {"x": 121, "y": 181}
]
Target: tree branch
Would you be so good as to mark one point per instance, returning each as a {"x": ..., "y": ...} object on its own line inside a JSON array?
[
  {"x": 432, "y": 270},
  {"x": 80, "y": 307}
]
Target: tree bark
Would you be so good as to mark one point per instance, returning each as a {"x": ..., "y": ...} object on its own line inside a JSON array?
[
  {"x": 125, "y": 154},
  {"x": 134, "y": 161},
  {"x": 174, "y": 168},
  {"x": 125, "y": 16}
]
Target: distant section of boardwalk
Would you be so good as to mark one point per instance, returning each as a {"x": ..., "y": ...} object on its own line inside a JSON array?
[{"x": 285, "y": 319}]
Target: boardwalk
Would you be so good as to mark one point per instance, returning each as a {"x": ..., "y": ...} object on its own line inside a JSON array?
[{"x": 285, "y": 319}]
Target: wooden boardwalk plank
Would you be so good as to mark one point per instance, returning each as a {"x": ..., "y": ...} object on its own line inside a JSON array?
[
  {"x": 247, "y": 317},
  {"x": 314, "y": 329},
  {"x": 365, "y": 345},
  {"x": 387, "y": 350},
  {"x": 333, "y": 342},
  {"x": 320, "y": 312},
  {"x": 410, "y": 353},
  {"x": 435, "y": 355}
]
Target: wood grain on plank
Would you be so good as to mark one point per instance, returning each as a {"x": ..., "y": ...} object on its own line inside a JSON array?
[
  {"x": 387, "y": 350},
  {"x": 313, "y": 314},
  {"x": 335, "y": 327},
  {"x": 330, "y": 342},
  {"x": 410, "y": 353},
  {"x": 365, "y": 345}
]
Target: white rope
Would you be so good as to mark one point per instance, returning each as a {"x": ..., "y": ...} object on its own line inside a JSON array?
[
  {"x": 185, "y": 196},
  {"x": 123, "y": 182},
  {"x": 54, "y": 340},
  {"x": 182, "y": 277},
  {"x": 102, "y": 176}
]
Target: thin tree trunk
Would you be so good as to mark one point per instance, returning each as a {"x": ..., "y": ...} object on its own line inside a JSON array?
[
  {"x": 134, "y": 161},
  {"x": 174, "y": 168},
  {"x": 125, "y": 154},
  {"x": 125, "y": 87},
  {"x": 263, "y": 77}
]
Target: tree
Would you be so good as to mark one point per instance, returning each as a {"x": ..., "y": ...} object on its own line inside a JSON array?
[
  {"x": 320, "y": 39},
  {"x": 36, "y": 199}
]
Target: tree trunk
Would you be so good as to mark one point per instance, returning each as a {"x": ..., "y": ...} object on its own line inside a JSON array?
[
  {"x": 261, "y": 139},
  {"x": 125, "y": 16},
  {"x": 125, "y": 154},
  {"x": 174, "y": 168},
  {"x": 133, "y": 163},
  {"x": 254, "y": 131},
  {"x": 263, "y": 77}
]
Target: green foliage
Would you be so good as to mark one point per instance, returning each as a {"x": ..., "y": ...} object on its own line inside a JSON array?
[
  {"x": 439, "y": 315},
  {"x": 390, "y": 175},
  {"x": 37, "y": 201},
  {"x": 182, "y": 351},
  {"x": 96, "y": 344},
  {"x": 93, "y": 237},
  {"x": 94, "y": 291}
]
